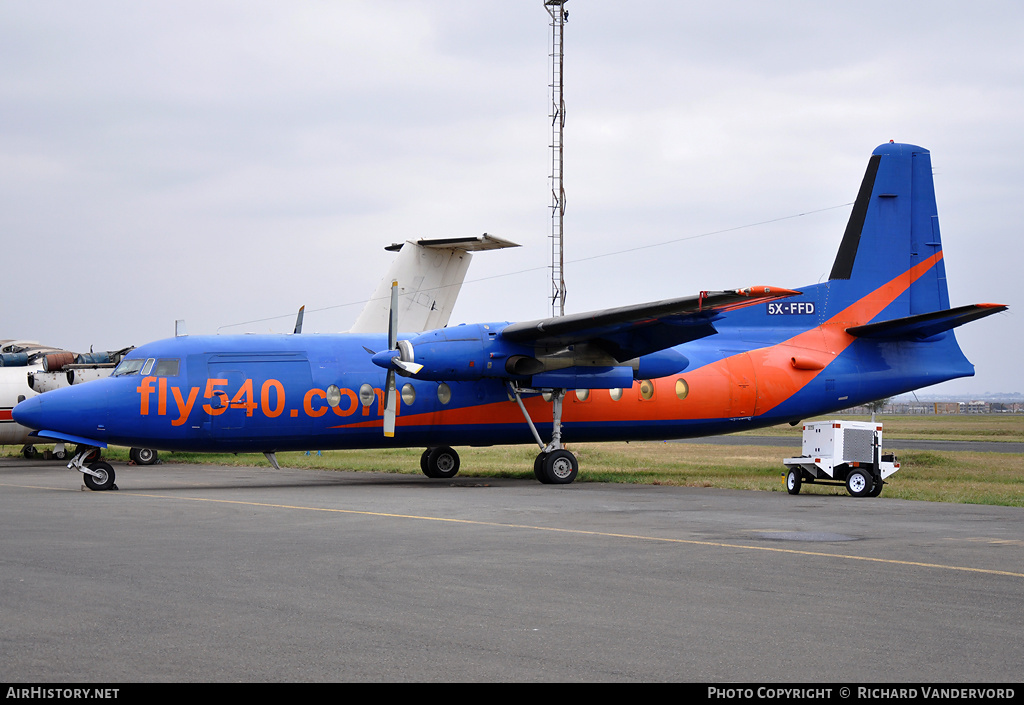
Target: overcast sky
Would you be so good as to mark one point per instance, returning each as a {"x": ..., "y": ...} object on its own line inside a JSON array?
[{"x": 226, "y": 162}]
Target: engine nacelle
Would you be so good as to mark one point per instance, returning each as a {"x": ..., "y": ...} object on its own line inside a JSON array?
[
  {"x": 471, "y": 352},
  {"x": 585, "y": 378},
  {"x": 456, "y": 354},
  {"x": 659, "y": 364}
]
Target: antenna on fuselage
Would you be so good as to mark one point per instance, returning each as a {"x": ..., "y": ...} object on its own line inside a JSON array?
[{"x": 559, "y": 16}]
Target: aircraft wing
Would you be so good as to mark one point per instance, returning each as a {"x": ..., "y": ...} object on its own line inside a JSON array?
[{"x": 631, "y": 331}]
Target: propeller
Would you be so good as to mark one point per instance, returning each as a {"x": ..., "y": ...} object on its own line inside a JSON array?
[
  {"x": 403, "y": 363},
  {"x": 390, "y": 392}
]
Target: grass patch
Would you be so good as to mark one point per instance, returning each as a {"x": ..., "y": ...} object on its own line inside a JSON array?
[
  {"x": 950, "y": 427},
  {"x": 935, "y": 476}
]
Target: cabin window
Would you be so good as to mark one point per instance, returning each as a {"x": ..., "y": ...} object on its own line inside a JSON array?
[
  {"x": 582, "y": 394},
  {"x": 682, "y": 388},
  {"x": 167, "y": 367},
  {"x": 615, "y": 394},
  {"x": 333, "y": 396},
  {"x": 444, "y": 393},
  {"x": 408, "y": 394},
  {"x": 646, "y": 390},
  {"x": 366, "y": 395}
]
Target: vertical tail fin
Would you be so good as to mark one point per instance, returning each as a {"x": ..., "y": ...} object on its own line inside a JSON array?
[
  {"x": 894, "y": 227},
  {"x": 430, "y": 274}
]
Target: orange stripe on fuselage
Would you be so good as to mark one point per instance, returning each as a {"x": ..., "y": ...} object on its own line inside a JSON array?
[
  {"x": 741, "y": 385},
  {"x": 781, "y": 380}
]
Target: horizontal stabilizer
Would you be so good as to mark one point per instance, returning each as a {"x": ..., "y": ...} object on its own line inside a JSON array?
[
  {"x": 925, "y": 325},
  {"x": 632, "y": 331}
]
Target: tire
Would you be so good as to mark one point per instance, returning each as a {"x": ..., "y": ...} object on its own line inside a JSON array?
[
  {"x": 793, "y": 480},
  {"x": 106, "y": 479},
  {"x": 559, "y": 467},
  {"x": 29, "y": 452},
  {"x": 859, "y": 483},
  {"x": 60, "y": 454},
  {"x": 876, "y": 489},
  {"x": 538, "y": 469},
  {"x": 423, "y": 462},
  {"x": 143, "y": 456},
  {"x": 442, "y": 462}
]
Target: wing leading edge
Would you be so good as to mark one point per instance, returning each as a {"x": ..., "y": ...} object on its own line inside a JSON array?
[{"x": 631, "y": 331}]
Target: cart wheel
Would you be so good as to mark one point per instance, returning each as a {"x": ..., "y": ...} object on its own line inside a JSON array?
[
  {"x": 858, "y": 483},
  {"x": 876, "y": 489},
  {"x": 793, "y": 480}
]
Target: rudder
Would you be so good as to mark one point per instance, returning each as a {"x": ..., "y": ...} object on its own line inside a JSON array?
[{"x": 893, "y": 227}]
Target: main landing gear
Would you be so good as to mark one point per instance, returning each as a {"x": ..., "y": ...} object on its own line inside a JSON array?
[
  {"x": 143, "y": 456},
  {"x": 442, "y": 462},
  {"x": 98, "y": 474},
  {"x": 554, "y": 464}
]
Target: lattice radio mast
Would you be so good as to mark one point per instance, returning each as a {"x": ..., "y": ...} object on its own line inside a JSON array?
[{"x": 559, "y": 16}]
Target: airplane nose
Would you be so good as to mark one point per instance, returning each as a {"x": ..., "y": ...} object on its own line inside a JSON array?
[
  {"x": 79, "y": 410},
  {"x": 29, "y": 413}
]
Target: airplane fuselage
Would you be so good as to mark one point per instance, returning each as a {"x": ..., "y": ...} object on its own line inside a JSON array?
[{"x": 769, "y": 363}]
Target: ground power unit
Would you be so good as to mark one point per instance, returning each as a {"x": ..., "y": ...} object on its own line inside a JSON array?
[{"x": 842, "y": 453}]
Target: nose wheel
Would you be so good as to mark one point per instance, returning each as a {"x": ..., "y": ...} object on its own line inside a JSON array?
[
  {"x": 100, "y": 477},
  {"x": 97, "y": 475}
]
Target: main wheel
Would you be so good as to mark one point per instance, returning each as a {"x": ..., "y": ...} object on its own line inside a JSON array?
[
  {"x": 442, "y": 462},
  {"x": 559, "y": 467},
  {"x": 104, "y": 478},
  {"x": 423, "y": 462},
  {"x": 60, "y": 454},
  {"x": 29, "y": 452},
  {"x": 858, "y": 483},
  {"x": 538, "y": 468},
  {"x": 143, "y": 456},
  {"x": 793, "y": 480}
]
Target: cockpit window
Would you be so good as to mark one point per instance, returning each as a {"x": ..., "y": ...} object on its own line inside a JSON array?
[
  {"x": 166, "y": 368},
  {"x": 128, "y": 367}
]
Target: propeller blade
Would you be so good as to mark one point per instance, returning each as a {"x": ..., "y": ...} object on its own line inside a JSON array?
[
  {"x": 409, "y": 368},
  {"x": 393, "y": 321},
  {"x": 390, "y": 403}
]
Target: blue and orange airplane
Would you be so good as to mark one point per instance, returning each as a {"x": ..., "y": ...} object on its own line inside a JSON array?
[{"x": 713, "y": 363}]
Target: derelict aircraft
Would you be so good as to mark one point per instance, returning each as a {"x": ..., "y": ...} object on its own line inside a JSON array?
[
  {"x": 28, "y": 368},
  {"x": 717, "y": 362}
]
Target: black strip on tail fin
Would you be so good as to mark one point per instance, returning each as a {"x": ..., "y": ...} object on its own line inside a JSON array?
[{"x": 843, "y": 266}]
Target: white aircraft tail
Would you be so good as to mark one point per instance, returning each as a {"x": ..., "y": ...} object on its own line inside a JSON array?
[{"x": 429, "y": 275}]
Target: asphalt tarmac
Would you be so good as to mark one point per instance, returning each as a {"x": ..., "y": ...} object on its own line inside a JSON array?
[{"x": 200, "y": 573}]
